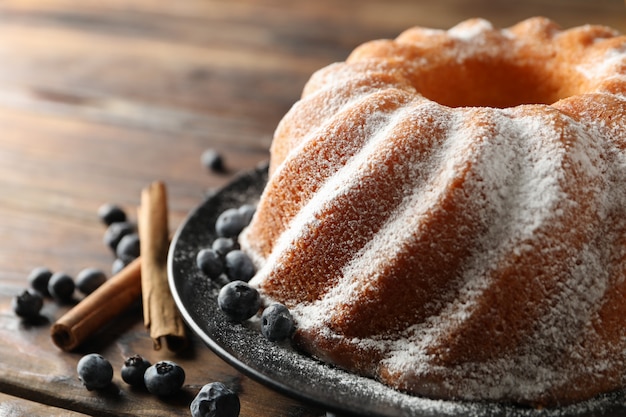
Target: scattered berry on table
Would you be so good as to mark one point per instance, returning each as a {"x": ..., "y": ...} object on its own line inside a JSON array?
[
  {"x": 239, "y": 266},
  {"x": 247, "y": 211},
  {"x": 276, "y": 322},
  {"x": 39, "y": 278},
  {"x": 223, "y": 245},
  {"x": 164, "y": 378},
  {"x": 210, "y": 263},
  {"x": 212, "y": 160},
  {"x": 134, "y": 369},
  {"x": 94, "y": 371},
  {"x": 229, "y": 223},
  {"x": 111, "y": 213},
  {"x": 128, "y": 248},
  {"x": 115, "y": 232},
  {"x": 117, "y": 265},
  {"x": 89, "y": 279},
  {"x": 28, "y": 304},
  {"x": 215, "y": 400},
  {"x": 239, "y": 301},
  {"x": 61, "y": 286}
]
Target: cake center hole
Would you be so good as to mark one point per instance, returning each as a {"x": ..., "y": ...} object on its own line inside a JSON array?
[{"x": 476, "y": 83}]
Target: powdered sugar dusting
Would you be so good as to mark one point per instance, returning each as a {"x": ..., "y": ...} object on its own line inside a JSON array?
[
  {"x": 521, "y": 175},
  {"x": 530, "y": 371},
  {"x": 307, "y": 220},
  {"x": 469, "y": 30},
  {"x": 612, "y": 64}
]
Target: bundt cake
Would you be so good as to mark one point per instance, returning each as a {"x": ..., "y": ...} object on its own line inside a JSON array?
[{"x": 446, "y": 213}]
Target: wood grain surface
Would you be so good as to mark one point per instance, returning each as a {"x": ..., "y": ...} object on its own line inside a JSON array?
[{"x": 100, "y": 98}]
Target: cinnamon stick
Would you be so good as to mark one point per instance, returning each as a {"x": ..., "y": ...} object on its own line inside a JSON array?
[
  {"x": 160, "y": 313},
  {"x": 98, "y": 308}
]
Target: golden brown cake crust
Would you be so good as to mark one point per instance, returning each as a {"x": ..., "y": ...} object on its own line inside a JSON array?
[{"x": 445, "y": 213}]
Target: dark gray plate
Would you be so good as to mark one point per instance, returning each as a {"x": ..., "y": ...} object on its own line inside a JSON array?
[{"x": 290, "y": 372}]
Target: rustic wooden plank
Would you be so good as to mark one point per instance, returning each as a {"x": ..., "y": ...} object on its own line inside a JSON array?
[
  {"x": 55, "y": 173},
  {"x": 196, "y": 72},
  {"x": 14, "y": 406},
  {"x": 366, "y": 12},
  {"x": 189, "y": 65}
]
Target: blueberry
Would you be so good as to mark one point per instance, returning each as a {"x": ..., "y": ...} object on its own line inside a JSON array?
[
  {"x": 61, "y": 286},
  {"x": 94, "y": 371},
  {"x": 164, "y": 378},
  {"x": 210, "y": 263},
  {"x": 115, "y": 232},
  {"x": 134, "y": 369},
  {"x": 230, "y": 223},
  {"x": 128, "y": 248},
  {"x": 212, "y": 160},
  {"x": 223, "y": 245},
  {"x": 215, "y": 400},
  {"x": 28, "y": 304},
  {"x": 247, "y": 211},
  {"x": 89, "y": 279},
  {"x": 239, "y": 266},
  {"x": 39, "y": 278},
  {"x": 276, "y": 322},
  {"x": 239, "y": 301},
  {"x": 110, "y": 213},
  {"x": 117, "y": 265}
]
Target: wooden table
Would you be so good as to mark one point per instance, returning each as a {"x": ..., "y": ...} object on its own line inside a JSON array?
[{"x": 100, "y": 98}]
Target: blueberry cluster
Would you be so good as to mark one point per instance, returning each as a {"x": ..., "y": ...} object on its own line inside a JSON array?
[
  {"x": 237, "y": 299},
  {"x": 225, "y": 262},
  {"x": 59, "y": 286},
  {"x": 121, "y": 236},
  {"x": 164, "y": 378},
  {"x": 224, "y": 259}
]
